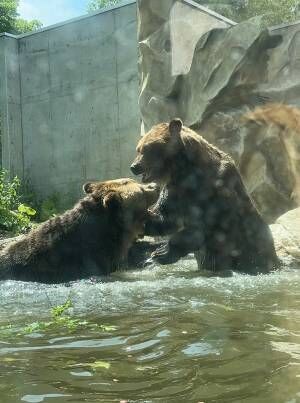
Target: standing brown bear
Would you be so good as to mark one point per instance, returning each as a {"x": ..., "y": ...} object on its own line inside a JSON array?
[
  {"x": 92, "y": 238},
  {"x": 203, "y": 203}
]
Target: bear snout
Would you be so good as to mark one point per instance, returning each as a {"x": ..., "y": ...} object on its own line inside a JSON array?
[
  {"x": 152, "y": 186},
  {"x": 137, "y": 168}
]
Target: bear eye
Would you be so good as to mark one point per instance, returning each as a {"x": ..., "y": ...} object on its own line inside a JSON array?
[{"x": 154, "y": 149}]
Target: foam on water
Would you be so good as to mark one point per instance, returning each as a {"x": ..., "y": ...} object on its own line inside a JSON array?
[{"x": 155, "y": 287}]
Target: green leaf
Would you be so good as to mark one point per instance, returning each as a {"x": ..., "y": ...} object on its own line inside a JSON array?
[
  {"x": 94, "y": 365},
  {"x": 26, "y": 210},
  {"x": 60, "y": 309},
  {"x": 100, "y": 364},
  {"x": 108, "y": 328}
]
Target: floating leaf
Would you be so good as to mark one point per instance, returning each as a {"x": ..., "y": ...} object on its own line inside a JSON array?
[
  {"x": 60, "y": 318},
  {"x": 108, "y": 328},
  {"x": 144, "y": 368},
  {"x": 100, "y": 364},
  {"x": 94, "y": 365},
  {"x": 60, "y": 309}
]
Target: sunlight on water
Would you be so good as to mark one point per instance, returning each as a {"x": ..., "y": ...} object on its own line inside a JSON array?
[{"x": 172, "y": 334}]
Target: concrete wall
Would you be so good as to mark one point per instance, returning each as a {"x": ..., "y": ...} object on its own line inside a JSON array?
[
  {"x": 69, "y": 94},
  {"x": 69, "y": 102},
  {"x": 10, "y": 107}
]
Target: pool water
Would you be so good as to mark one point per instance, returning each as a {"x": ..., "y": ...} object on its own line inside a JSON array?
[{"x": 164, "y": 334}]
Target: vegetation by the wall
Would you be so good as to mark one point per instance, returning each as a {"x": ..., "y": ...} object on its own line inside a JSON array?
[
  {"x": 48, "y": 208},
  {"x": 10, "y": 21},
  {"x": 273, "y": 11},
  {"x": 15, "y": 216},
  {"x": 94, "y": 5}
]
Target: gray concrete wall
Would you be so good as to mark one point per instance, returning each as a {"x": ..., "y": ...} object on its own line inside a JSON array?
[
  {"x": 10, "y": 107},
  {"x": 69, "y": 102},
  {"x": 69, "y": 94}
]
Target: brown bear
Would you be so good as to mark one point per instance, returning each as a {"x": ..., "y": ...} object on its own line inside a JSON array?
[
  {"x": 92, "y": 238},
  {"x": 203, "y": 203}
]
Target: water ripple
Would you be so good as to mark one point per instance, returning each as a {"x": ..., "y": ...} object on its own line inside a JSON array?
[{"x": 175, "y": 336}]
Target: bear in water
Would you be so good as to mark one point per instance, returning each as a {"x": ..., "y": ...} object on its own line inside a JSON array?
[
  {"x": 203, "y": 203},
  {"x": 92, "y": 238}
]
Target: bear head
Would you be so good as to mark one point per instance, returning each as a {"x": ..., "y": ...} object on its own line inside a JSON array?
[
  {"x": 156, "y": 151},
  {"x": 127, "y": 201}
]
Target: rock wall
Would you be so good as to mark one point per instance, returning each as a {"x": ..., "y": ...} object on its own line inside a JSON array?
[
  {"x": 211, "y": 73},
  {"x": 162, "y": 64},
  {"x": 286, "y": 234}
]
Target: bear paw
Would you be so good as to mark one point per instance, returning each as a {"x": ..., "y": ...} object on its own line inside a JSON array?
[{"x": 163, "y": 255}]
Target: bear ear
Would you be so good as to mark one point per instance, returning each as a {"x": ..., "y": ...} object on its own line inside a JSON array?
[
  {"x": 87, "y": 187},
  {"x": 112, "y": 200},
  {"x": 175, "y": 126}
]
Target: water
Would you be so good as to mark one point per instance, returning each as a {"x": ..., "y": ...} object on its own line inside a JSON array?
[{"x": 172, "y": 336}]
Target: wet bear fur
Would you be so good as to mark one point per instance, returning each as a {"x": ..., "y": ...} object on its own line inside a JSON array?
[
  {"x": 203, "y": 203},
  {"x": 93, "y": 238}
]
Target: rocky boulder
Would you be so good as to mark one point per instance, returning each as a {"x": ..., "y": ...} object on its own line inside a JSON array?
[
  {"x": 214, "y": 74},
  {"x": 286, "y": 234}
]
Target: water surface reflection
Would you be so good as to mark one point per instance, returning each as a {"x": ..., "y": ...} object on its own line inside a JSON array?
[{"x": 172, "y": 335}]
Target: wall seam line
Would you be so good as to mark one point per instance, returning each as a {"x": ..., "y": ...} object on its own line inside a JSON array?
[
  {"x": 117, "y": 90},
  {"x": 7, "y": 126},
  {"x": 21, "y": 111}
]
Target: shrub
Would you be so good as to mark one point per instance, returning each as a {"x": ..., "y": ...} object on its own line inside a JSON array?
[
  {"x": 15, "y": 216},
  {"x": 48, "y": 208},
  {"x": 273, "y": 11}
]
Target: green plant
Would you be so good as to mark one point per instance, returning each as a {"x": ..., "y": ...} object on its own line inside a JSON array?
[
  {"x": 273, "y": 11},
  {"x": 21, "y": 26},
  {"x": 10, "y": 21},
  {"x": 45, "y": 208},
  {"x": 59, "y": 310},
  {"x": 98, "y": 4},
  {"x": 48, "y": 208},
  {"x": 61, "y": 319},
  {"x": 14, "y": 215}
]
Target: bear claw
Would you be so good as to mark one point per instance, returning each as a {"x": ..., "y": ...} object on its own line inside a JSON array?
[{"x": 164, "y": 256}]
